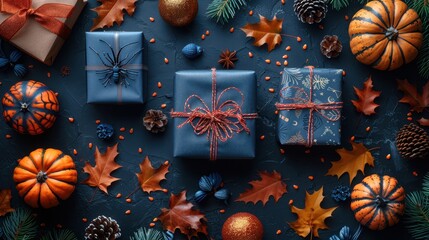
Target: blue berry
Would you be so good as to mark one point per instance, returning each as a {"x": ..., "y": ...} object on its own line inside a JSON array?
[{"x": 105, "y": 131}]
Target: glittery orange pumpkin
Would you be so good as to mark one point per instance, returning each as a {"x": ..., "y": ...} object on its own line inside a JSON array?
[
  {"x": 242, "y": 226},
  {"x": 45, "y": 177},
  {"x": 30, "y": 107}
]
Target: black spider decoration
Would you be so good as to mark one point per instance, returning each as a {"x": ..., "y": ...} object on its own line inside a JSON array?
[{"x": 115, "y": 66}]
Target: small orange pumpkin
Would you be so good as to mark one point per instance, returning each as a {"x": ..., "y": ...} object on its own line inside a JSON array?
[
  {"x": 378, "y": 202},
  {"x": 385, "y": 34},
  {"x": 44, "y": 177},
  {"x": 30, "y": 107}
]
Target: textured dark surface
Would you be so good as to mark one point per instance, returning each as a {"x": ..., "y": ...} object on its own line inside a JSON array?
[{"x": 295, "y": 166}]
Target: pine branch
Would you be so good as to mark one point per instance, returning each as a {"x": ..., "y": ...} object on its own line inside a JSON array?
[
  {"x": 20, "y": 225},
  {"x": 61, "y": 234},
  {"x": 423, "y": 59},
  {"x": 224, "y": 10},
  {"x": 425, "y": 185},
  {"x": 340, "y": 4},
  {"x": 148, "y": 234},
  {"x": 421, "y": 7},
  {"x": 417, "y": 215}
]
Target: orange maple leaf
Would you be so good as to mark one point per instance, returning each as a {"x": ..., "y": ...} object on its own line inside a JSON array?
[
  {"x": 366, "y": 104},
  {"x": 99, "y": 175},
  {"x": 182, "y": 216},
  {"x": 271, "y": 184},
  {"x": 265, "y": 32},
  {"x": 111, "y": 11},
  {"x": 5, "y": 197},
  {"x": 150, "y": 177},
  {"x": 351, "y": 162},
  {"x": 312, "y": 217},
  {"x": 418, "y": 102}
]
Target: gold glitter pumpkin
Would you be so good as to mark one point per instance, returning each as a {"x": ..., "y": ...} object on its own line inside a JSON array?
[
  {"x": 178, "y": 13},
  {"x": 242, "y": 226}
]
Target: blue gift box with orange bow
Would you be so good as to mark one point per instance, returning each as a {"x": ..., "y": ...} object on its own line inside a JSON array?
[
  {"x": 214, "y": 114},
  {"x": 310, "y": 106}
]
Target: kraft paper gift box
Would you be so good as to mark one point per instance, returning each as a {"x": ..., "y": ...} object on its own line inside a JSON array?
[
  {"x": 310, "y": 106},
  {"x": 39, "y": 27},
  {"x": 214, "y": 114},
  {"x": 114, "y": 67}
]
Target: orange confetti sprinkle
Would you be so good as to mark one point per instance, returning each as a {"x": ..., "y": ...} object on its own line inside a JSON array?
[
  {"x": 304, "y": 47},
  {"x": 409, "y": 118},
  {"x": 278, "y": 63},
  {"x": 97, "y": 122},
  {"x": 155, "y": 220},
  {"x": 267, "y": 78},
  {"x": 122, "y": 129},
  {"x": 140, "y": 150},
  {"x": 311, "y": 178},
  {"x": 250, "y": 55},
  {"x": 203, "y": 37},
  {"x": 291, "y": 202},
  {"x": 90, "y": 145},
  {"x": 48, "y": 74},
  {"x": 251, "y": 13},
  {"x": 151, "y": 199},
  {"x": 268, "y": 61},
  {"x": 322, "y": 159},
  {"x": 352, "y": 138},
  {"x": 282, "y": 151},
  {"x": 388, "y": 156},
  {"x": 285, "y": 63},
  {"x": 152, "y": 225},
  {"x": 344, "y": 73},
  {"x": 165, "y": 190},
  {"x": 368, "y": 129},
  {"x": 262, "y": 137},
  {"x": 298, "y": 39},
  {"x": 56, "y": 93},
  {"x": 121, "y": 137},
  {"x": 222, "y": 211},
  {"x": 288, "y": 48},
  {"x": 119, "y": 195},
  {"x": 278, "y": 232},
  {"x": 128, "y": 212},
  {"x": 8, "y": 136},
  {"x": 152, "y": 19},
  {"x": 154, "y": 94},
  {"x": 159, "y": 85},
  {"x": 166, "y": 163},
  {"x": 166, "y": 60},
  {"x": 321, "y": 27},
  {"x": 231, "y": 30},
  {"x": 163, "y": 105},
  {"x": 152, "y": 40},
  {"x": 271, "y": 90},
  {"x": 128, "y": 200},
  {"x": 285, "y": 56},
  {"x": 74, "y": 152},
  {"x": 131, "y": 130},
  {"x": 207, "y": 32},
  {"x": 283, "y": 2},
  {"x": 308, "y": 151},
  {"x": 415, "y": 174},
  {"x": 346, "y": 17},
  {"x": 296, "y": 187},
  {"x": 84, "y": 220},
  {"x": 276, "y": 112},
  {"x": 71, "y": 119},
  {"x": 30, "y": 66}
]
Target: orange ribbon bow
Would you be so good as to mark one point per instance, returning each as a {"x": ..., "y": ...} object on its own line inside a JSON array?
[
  {"x": 46, "y": 15},
  {"x": 220, "y": 122}
]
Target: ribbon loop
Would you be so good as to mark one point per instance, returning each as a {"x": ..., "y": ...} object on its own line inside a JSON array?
[
  {"x": 46, "y": 15},
  {"x": 219, "y": 123},
  {"x": 305, "y": 101}
]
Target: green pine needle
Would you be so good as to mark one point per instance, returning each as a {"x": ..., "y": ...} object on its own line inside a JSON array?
[
  {"x": 20, "y": 225},
  {"x": 147, "y": 234},
  {"x": 61, "y": 234},
  {"x": 417, "y": 214},
  {"x": 224, "y": 10},
  {"x": 340, "y": 4}
]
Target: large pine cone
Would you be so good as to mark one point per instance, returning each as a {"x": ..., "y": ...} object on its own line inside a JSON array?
[
  {"x": 155, "y": 121},
  {"x": 310, "y": 11},
  {"x": 412, "y": 142},
  {"x": 103, "y": 228}
]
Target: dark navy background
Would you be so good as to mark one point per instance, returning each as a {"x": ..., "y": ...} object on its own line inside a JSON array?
[{"x": 295, "y": 166}]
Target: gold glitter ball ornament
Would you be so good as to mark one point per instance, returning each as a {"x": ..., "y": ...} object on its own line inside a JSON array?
[
  {"x": 242, "y": 226},
  {"x": 178, "y": 13}
]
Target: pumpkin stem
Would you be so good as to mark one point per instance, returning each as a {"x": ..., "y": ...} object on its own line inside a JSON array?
[
  {"x": 381, "y": 202},
  {"x": 24, "y": 107},
  {"x": 392, "y": 33},
  {"x": 41, "y": 177}
]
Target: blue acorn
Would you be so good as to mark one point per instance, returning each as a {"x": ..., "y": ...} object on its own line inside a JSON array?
[
  {"x": 18, "y": 69},
  {"x": 200, "y": 196},
  {"x": 105, "y": 131},
  {"x": 211, "y": 185},
  {"x": 192, "y": 51},
  {"x": 222, "y": 194}
]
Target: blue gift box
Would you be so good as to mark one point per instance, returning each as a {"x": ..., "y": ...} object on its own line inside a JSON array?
[
  {"x": 310, "y": 107},
  {"x": 114, "y": 67},
  {"x": 214, "y": 114}
]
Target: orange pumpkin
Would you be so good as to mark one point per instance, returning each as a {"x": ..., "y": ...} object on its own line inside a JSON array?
[
  {"x": 378, "y": 202},
  {"x": 385, "y": 34},
  {"x": 44, "y": 177},
  {"x": 30, "y": 107}
]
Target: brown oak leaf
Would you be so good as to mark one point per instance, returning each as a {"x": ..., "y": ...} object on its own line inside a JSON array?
[
  {"x": 271, "y": 184},
  {"x": 351, "y": 162},
  {"x": 182, "y": 215},
  {"x": 5, "y": 197},
  {"x": 366, "y": 104},
  {"x": 111, "y": 11},
  {"x": 99, "y": 175},
  {"x": 418, "y": 102},
  {"x": 423, "y": 122},
  {"x": 265, "y": 32},
  {"x": 312, "y": 217},
  {"x": 149, "y": 177}
]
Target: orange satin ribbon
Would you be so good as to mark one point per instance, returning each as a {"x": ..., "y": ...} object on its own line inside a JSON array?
[{"x": 46, "y": 15}]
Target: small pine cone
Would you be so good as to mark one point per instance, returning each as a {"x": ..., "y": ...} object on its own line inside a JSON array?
[
  {"x": 103, "y": 228},
  {"x": 330, "y": 46},
  {"x": 155, "y": 121},
  {"x": 412, "y": 142},
  {"x": 340, "y": 193},
  {"x": 310, "y": 11}
]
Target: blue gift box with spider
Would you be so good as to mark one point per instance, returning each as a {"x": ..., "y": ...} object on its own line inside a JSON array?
[
  {"x": 310, "y": 106},
  {"x": 114, "y": 67}
]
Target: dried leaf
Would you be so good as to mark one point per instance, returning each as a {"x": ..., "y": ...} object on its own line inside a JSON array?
[
  {"x": 182, "y": 216},
  {"x": 99, "y": 175},
  {"x": 312, "y": 217},
  {"x": 417, "y": 102},
  {"x": 423, "y": 122},
  {"x": 111, "y": 11},
  {"x": 5, "y": 197},
  {"x": 265, "y": 32},
  {"x": 150, "y": 177},
  {"x": 366, "y": 104},
  {"x": 271, "y": 184},
  {"x": 351, "y": 162}
]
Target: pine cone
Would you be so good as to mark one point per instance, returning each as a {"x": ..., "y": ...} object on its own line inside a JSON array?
[
  {"x": 310, "y": 11},
  {"x": 155, "y": 121},
  {"x": 330, "y": 46},
  {"x": 103, "y": 228},
  {"x": 340, "y": 193},
  {"x": 412, "y": 142}
]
